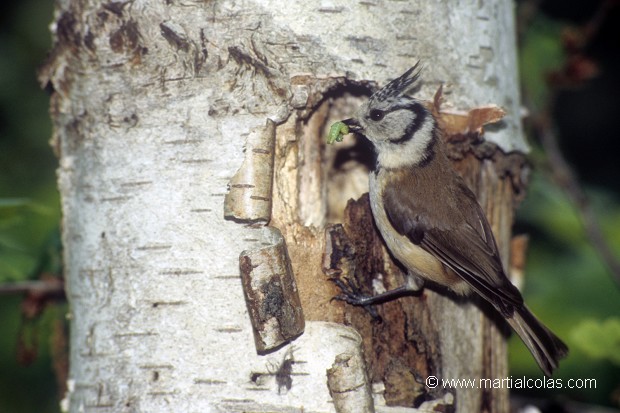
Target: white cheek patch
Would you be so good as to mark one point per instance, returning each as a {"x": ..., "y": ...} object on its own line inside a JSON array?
[{"x": 411, "y": 152}]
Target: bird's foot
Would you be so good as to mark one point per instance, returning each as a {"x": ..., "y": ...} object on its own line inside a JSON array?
[{"x": 352, "y": 294}]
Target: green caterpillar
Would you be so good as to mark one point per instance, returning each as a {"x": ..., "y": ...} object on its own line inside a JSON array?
[{"x": 337, "y": 132}]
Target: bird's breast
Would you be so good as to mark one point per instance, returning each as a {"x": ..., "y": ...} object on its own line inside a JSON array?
[{"x": 412, "y": 256}]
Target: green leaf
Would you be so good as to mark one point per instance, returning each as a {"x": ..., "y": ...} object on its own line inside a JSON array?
[
  {"x": 600, "y": 340},
  {"x": 13, "y": 202}
]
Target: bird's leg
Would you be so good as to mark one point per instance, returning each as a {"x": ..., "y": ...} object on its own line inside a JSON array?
[{"x": 353, "y": 295}]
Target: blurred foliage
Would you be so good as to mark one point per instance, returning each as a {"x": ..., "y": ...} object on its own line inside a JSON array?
[
  {"x": 540, "y": 52},
  {"x": 567, "y": 285},
  {"x": 27, "y": 229},
  {"x": 30, "y": 388},
  {"x": 29, "y": 207},
  {"x": 599, "y": 340}
]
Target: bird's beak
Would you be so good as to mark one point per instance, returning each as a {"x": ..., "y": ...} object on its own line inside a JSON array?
[{"x": 353, "y": 124}]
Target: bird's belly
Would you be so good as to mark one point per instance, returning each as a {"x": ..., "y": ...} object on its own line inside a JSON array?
[{"x": 412, "y": 256}]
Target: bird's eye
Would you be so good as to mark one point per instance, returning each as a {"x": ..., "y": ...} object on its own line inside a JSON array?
[{"x": 376, "y": 115}]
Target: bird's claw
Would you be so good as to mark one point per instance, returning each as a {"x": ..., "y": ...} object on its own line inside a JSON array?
[{"x": 352, "y": 294}]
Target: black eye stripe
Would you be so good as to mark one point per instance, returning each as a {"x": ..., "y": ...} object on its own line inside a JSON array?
[
  {"x": 412, "y": 106},
  {"x": 414, "y": 126},
  {"x": 378, "y": 114}
]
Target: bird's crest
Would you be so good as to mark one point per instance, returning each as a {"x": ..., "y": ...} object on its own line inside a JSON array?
[{"x": 400, "y": 85}]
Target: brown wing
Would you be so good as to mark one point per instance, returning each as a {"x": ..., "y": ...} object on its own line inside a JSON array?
[{"x": 461, "y": 239}]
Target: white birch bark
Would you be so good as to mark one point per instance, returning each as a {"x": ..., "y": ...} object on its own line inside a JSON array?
[{"x": 152, "y": 105}]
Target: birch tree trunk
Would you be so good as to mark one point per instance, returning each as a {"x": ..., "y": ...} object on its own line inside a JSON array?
[{"x": 197, "y": 189}]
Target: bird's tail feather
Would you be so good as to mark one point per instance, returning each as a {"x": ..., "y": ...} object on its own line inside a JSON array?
[{"x": 545, "y": 346}]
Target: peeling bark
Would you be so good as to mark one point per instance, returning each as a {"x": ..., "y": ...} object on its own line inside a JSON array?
[
  {"x": 249, "y": 197},
  {"x": 271, "y": 294},
  {"x": 348, "y": 384},
  {"x": 402, "y": 349},
  {"x": 153, "y": 104},
  {"x": 348, "y": 381}
]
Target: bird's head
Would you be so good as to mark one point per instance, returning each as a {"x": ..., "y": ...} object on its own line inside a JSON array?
[{"x": 400, "y": 128}]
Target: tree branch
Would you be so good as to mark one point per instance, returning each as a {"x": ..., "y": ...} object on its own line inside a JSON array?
[
  {"x": 39, "y": 287},
  {"x": 566, "y": 178}
]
